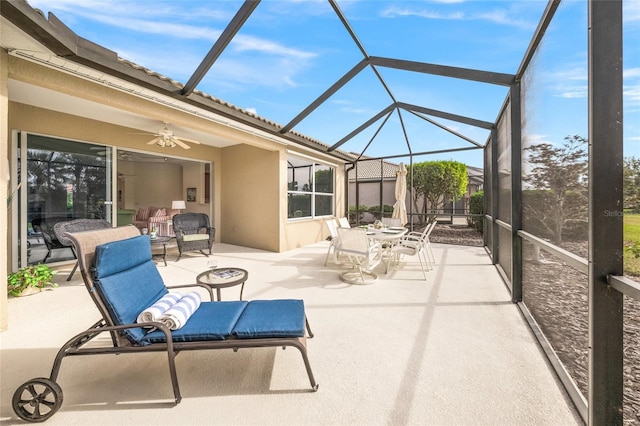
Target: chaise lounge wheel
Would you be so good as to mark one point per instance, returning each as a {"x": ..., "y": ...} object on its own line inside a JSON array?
[{"x": 37, "y": 400}]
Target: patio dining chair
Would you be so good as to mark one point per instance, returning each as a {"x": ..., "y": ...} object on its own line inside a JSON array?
[
  {"x": 334, "y": 240},
  {"x": 344, "y": 222},
  {"x": 415, "y": 244},
  {"x": 360, "y": 253}
]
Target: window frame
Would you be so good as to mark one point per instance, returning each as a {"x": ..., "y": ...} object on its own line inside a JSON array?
[{"x": 315, "y": 165}]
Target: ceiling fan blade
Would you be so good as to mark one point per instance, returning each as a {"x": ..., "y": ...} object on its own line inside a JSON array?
[
  {"x": 145, "y": 133},
  {"x": 180, "y": 143},
  {"x": 154, "y": 140},
  {"x": 189, "y": 140}
]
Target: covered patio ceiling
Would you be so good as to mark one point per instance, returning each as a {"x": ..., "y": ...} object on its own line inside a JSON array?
[{"x": 351, "y": 80}]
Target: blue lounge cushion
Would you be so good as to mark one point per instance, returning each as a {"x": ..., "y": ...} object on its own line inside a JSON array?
[
  {"x": 271, "y": 318},
  {"x": 212, "y": 321},
  {"x": 117, "y": 256},
  {"x": 128, "y": 280}
]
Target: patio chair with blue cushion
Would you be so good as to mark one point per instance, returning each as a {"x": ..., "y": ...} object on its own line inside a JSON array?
[{"x": 124, "y": 283}]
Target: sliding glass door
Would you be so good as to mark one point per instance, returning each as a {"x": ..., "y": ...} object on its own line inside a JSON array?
[{"x": 63, "y": 180}]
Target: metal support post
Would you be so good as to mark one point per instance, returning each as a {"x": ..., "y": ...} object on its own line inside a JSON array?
[
  {"x": 605, "y": 211},
  {"x": 495, "y": 197},
  {"x": 516, "y": 193}
]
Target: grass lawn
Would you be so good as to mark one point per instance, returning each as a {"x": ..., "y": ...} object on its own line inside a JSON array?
[{"x": 631, "y": 234}]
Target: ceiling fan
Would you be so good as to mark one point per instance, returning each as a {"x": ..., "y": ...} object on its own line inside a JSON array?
[{"x": 166, "y": 138}]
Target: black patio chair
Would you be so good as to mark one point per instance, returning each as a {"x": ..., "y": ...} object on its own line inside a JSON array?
[
  {"x": 193, "y": 232},
  {"x": 46, "y": 228},
  {"x": 61, "y": 229}
]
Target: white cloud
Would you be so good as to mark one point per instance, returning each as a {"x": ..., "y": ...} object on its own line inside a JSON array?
[
  {"x": 350, "y": 107},
  {"x": 277, "y": 67},
  {"x": 631, "y": 11},
  {"x": 631, "y": 72},
  {"x": 574, "y": 92},
  {"x": 160, "y": 28},
  {"x": 498, "y": 16},
  {"x": 631, "y": 94},
  {"x": 393, "y": 12},
  {"x": 577, "y": 73},
  {"x": 162, "y": 18},
  {"x": 248, "y": 43}
]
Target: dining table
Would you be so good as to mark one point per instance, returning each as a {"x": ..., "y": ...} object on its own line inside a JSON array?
[{"x": 387, "y": 237}]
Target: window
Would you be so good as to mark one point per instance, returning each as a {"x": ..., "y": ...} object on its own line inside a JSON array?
[{"x": 310, "y": 188}]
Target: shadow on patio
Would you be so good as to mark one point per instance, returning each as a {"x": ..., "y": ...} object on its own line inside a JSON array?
[{"x": 451, "y": 350}]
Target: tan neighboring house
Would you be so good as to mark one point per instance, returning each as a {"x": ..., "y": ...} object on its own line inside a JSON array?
[{"x": 64, "y": 97}]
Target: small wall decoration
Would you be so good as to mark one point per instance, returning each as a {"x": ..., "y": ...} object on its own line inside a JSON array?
[{"x": 191, "y": 194}]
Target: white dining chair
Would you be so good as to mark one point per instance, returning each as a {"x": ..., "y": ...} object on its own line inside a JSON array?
[
  {"x": 416, "y": 244},
  {"x": 334, "y": 239},
  {"x": 427, "y": 242},
  {"x": 357, "y": 251},
  {"x": 344, "y": 222}
]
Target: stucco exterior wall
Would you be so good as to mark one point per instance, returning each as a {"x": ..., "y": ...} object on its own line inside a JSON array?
[{"x": 250, "y": 199}]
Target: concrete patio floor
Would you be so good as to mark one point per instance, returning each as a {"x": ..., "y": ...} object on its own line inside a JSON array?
[{"x": 452, "y": 350}]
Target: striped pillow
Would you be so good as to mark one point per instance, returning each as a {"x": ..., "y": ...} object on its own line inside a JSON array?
[
  {"x": 143, "y": 214},
  {"x": 160, "y": 212}
]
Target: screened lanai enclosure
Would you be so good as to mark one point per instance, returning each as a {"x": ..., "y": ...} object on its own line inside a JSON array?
[
  {"x": 548, "y": 156},
  {"x": 553, "y": 220},
  {"x": 553, "y": 206}
]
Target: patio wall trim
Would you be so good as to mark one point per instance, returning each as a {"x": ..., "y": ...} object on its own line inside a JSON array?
[
  {"x": 503, "y": 224},
  {"x": 576, "y": 262},
  {"x": 624, "y": 285}
]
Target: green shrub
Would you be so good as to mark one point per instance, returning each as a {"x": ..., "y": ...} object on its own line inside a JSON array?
[
  {"x": 352, "y": 213},
  {"x": 378, "y": 213},
  {"x": 476, "y": 206}
]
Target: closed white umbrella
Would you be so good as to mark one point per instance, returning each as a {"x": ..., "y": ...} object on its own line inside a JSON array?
[{"x": 400, "y": 208}]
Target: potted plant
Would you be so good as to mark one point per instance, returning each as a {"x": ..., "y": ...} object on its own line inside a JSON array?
[{"x": 30, "y": 279}]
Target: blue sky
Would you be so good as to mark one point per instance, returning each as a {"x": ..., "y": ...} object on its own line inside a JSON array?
[{"x": 290, "y": 52}]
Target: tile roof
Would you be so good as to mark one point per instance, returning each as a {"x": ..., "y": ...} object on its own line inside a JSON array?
[{"x": 370, "y": 169}]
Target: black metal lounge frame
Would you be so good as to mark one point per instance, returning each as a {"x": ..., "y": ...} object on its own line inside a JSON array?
[{"x": 44, "y": 395}]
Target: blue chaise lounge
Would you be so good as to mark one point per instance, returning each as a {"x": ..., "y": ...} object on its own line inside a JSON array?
[{"x": 123, "y": 281}]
